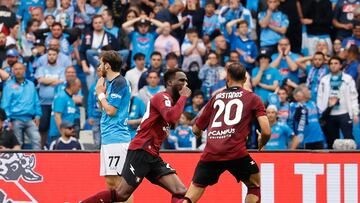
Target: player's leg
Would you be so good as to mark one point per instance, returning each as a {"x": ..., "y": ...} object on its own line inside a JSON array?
[
  {"x": 112, "y": 182},
  {"x": 206, "y": 173},
  {"x": 112, "y": 162},
  {"x": 253, "y": 184},
  {"x": 246, "y": 170}
]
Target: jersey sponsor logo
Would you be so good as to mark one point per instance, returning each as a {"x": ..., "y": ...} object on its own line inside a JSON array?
[
  {"x": 114, "y": 96},
  {"x": 71, "y": 110},
  {"x": 16, "y": 166},
  {"x": 221, "y": 134}
]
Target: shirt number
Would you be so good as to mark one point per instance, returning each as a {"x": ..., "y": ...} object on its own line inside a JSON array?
[{"x": 227, "y": 108}]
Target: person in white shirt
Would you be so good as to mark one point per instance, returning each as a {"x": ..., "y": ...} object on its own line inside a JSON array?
[{"x": 134, "y": 74}]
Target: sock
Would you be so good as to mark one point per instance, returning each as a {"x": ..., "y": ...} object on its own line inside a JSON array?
[
  {"x": 102, "y": 197},
  {"x": 255, "y": 191},
  {"x": 179, "y": 198}
]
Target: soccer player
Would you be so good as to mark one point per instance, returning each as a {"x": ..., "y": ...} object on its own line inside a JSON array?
[
  {"x": 143, "y": 160},
  {"x": 227, "y": 118},
  {"x": 113, "y": 92}
]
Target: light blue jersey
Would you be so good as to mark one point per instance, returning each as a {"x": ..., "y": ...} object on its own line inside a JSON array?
[
  {"x": 114, "y": 129},
  {"x": 280, "y": 136},
  {"x": 269, "y": 37},
  {"x": 64, "y": 104}
]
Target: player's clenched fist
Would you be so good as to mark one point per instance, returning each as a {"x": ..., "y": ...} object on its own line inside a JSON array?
[{"x": 185, "y": 91}]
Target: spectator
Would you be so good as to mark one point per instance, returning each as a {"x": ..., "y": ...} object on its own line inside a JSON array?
[
  {"x": 12, "y": 56},
  {"x": 285, "y": 61},
  {"x": 8, "y": 18},
  {"x": 317, "y": 18},
  {"x": 235, "y": 10},
  {"x": 153, "y": 87},
  {"x": 355, "y": 38},
  {"x": 340, "y": 87},
  {"x": 94, "y": 112},
  {"x": 62, "y": 59},
  {"x": 67, "y": 141},
  {"x": 211, "y": 23},
  {"x": 171, "y": 61},
  {"x": 48, "y": 76},
  {"x": 70, "y": 73},
  {"x": 314, "y": 71},
  {"x": 222, "y": 49},
  {"x": 131, "y": 14},
  {"x": 192, "y": 49},
  {"x": 344, "y": 17},
  {"x": 93, "y": 42},
  {"x": 183, "y": 135},
  {"x": 12, "y": 38},
  {"x": 284, "y": 106},
  {"x": 197, "y": 102},
  {"x": 98, "y": 6},
  {"x": 304, "y": 119},
  {"x": 170, "y": 15},
  {"x": 2, "y": 46},
  {"x": 83, "y": 14},
  {"x": 63, "y": 108},
  {"x": 28, "y": 38},
  {"x": 21, "y": 104},
  {"x": 195, "y": 15},
  {"x": 50, "y": 7},
  {"x": 166, "y": 43},
  {"x": 245, "y": 47},
  {"x": 209, "y": 74},
  {"x": 65, "y": 14},
  {"x": 133, "y": 75},
  {"x": 273, "y": 26},
  {"x": 136, "y": 113},
  {"x": 352, "y": 66},
  {"x": 155, "y": 65},
  {"x": 26, "y": 7},
  {"x": 7, "y": 137},
  {"x": 265, "y": 79},
  {"x": 336, "y": 47},
  {"x": 142, "y": 40},
  {"x": 282, "y": 136},
  {"x": 57, "y": 33},
  {"x": 37, "y": 14}
]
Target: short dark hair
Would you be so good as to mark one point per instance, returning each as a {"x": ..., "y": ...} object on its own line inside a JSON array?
[
  {"x": 320, "y": 53},
  {"x": 191, "y": 30},
  {"x": 52, "y": 49},
  {"x": 138, "y": 56},
  {"x": 170, "y": 74},
  {"x": 188, "y": 115},
  {"x": 243, "y": 22},
  {"x": 171, "y": 55},
  {"x": 109, "y": 12},
  {"x": 233, "y": 52},
  {"x": 197, "y": 93},
  {"x": 237, "y": 71},
  {"x": 97, "y": 16},
  {"x": 335, "y": 58},
  {"x": 57, "y": 24},
  {"x": 113, "y": 59},
  {"x": 155, "y": 53},
  {"x": 152, "y": 71}
]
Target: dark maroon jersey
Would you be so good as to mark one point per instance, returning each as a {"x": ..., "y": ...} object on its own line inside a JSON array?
[
  {"x": 227, "y": 118},
  {"x": 155, "y": 125}
]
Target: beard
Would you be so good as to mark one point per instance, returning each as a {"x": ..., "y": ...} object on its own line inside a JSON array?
[
  {"x": 52, "y": 62},
  {"x": 175, "y": 94}
]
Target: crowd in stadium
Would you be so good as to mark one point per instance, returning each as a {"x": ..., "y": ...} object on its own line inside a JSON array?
[{"x": 301, "y": 57}]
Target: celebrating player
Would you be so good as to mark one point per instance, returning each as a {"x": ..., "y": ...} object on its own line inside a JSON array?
[
  {"x": 143, "y": 160},
  {"x": 113, "y": 92},
  {"x": 227, "y": 118}
]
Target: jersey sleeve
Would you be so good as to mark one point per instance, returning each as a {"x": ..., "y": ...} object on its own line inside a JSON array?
[
  {"x": 117, "y": 92},
  {"x": 170, "y": 114},
  {"x": 204, "y": 118},
  {"x": 258, "y": 107},
  {"x": 288, "y": 131}
]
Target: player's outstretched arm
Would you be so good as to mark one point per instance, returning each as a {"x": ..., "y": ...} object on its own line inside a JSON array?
[
  {"x": 197, "y": 131},
  {"x": 265, "y": 134}
]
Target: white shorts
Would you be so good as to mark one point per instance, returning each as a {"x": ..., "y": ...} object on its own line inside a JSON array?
[{"x": 112, "y": 158}]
